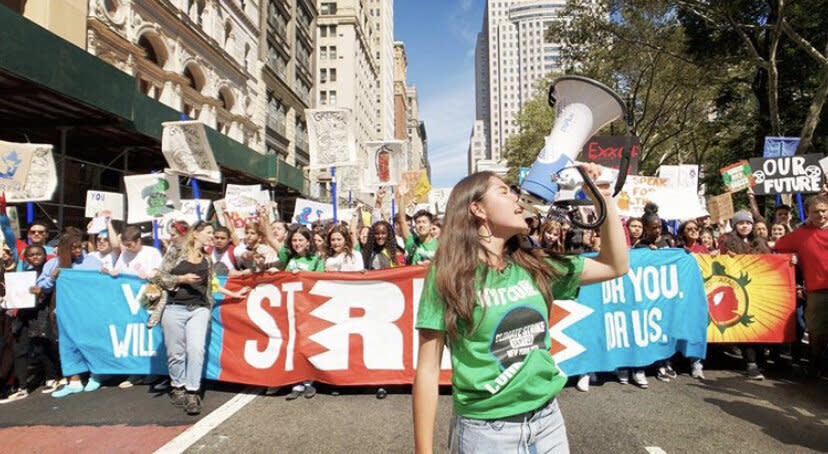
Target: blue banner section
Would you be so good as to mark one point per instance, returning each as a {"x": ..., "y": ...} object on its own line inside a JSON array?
[
  {"x": 777, "y": 147},
  {"x": 657, "y": 309},
  {"x": 102, "y": 327}
]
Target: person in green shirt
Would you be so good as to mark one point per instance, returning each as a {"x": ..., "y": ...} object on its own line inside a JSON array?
[
  {"x": 420, "y": 247},
  {"x": 302, "y": 252},
  {"x": 488, "y": 299}
]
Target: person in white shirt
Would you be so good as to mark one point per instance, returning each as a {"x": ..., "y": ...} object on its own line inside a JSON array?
[
  {"x": 107, "y": 246},
  {"x": 341, "y": 255},
  {"x": 142, "y": 261},
  {"x": 253, "y": 254}
]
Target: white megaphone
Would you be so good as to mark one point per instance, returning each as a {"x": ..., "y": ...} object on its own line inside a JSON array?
[{"x": 582, "y": 107}]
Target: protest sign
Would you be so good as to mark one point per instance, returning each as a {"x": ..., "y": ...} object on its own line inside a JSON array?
[
  {"x": 737, "y": 176},
  {"x": 331, "y": 138},
  {"x": 787, "y": 174},
  {"x": 776, "y": 147},
  {"x": 14, "y": 220},
  {"x": 385, "y": 162},
  {"x": 750, "y": 298},
  {"x": 358, "y": 328},
  {"x": 18, "y": 295},
  {"x": 824, "y": 164},
  {"x": 241, "y": 203},
  {"x": 41, "y": 178},
  {"x": 607, "y": 151},
  {"x": 15, "y": 160},
  {"x": 681, "y": 176},
  {"x": 306, "y": 212},
  {"x": 187, "y": 212},
  {"x": 188, "y": 152},
  {"x": 637, "y": 192},
  {"x": 720, "y": 207},
  {"x": 415, "y": 186},
  {"x": 439, "y": 198},
  {"x": 151, "y": 196},
  {"x": 104, "y": 204}
]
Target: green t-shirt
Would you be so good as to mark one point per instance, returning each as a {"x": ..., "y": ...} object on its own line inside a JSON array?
[
  {"x": 307, "y": 263},
  {"x": 284, "y": 254},
  {"x": 503, "y": 368},
  {"x": 420, "y": 251}
]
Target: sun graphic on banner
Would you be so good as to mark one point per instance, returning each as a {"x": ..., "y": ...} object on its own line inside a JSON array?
[{"x": 749, "y": 297}]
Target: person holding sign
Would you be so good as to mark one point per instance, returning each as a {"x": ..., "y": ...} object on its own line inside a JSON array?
[{"x": 489, "y": 300}]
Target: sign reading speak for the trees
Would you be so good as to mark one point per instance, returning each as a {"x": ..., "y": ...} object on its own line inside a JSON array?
[{"x": 787, "y": 174}]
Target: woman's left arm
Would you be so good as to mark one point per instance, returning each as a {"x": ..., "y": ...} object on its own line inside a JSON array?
[{"x": 614, "y": 259}]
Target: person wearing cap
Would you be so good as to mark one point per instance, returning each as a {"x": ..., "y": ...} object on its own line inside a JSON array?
[
  {"x": 744, "y": 240},
  {"x": 810, "y": 243}
]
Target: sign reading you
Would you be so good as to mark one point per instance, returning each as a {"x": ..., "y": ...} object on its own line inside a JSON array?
[{"x": 787, "y": 174}]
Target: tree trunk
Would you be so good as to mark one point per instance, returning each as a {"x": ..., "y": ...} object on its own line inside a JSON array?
[{"x": 814, "y": 112}]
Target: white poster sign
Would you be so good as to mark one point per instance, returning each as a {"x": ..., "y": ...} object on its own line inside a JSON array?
[
  {"x": 105, "y": 204},
  {"x": 188, "y": 212},
  {"x": 331, "y": 137},
  {"x": 680, "y": 176},
  {"x": 386, "y": 161},
  {"x": 17, "y": 290},
  {"x": 151, "y": 196},
  {"x": 187, "y": 151},
  {"x": 15, "y": 160},
  {"x": 41, "y": 180},
  {"x": 306, "y": 212}
]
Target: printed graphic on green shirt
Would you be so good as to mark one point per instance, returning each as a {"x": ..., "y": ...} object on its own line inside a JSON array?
[{"x": 520, "y": 331}]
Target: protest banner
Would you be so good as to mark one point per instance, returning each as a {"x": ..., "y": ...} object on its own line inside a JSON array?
[
  {"x": 636, "y": 193},
  {"x": 776, "y": 147},
  {"x": 737, "y": 176},
  {"x": 17, "y": 287},
  {"x": 188, "y": 152},
  {"x": 41, "y": 179},
  {"x": 331, "y": 138},
  {"x": 385, "y": 162},
  {"x": 720, "y": 207},
  {"x": 607, "y": 151},
  {"x": 15, "y": 160},
  {"x": 358, "y": 328},
  {"x": 787, "y": 174},
  {"x": 104, "y": 204},
  {"x": 750, "y": 298},
  {"x": 151, "y": 196}
]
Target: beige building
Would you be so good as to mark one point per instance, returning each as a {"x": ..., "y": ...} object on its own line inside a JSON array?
[
  {"x": 65, "y": 18},
  {"x": 288, "y": 49}
]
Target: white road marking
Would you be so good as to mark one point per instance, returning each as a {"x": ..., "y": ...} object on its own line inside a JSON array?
[
  {"x": 198, "y": 430},
  {"x": 654, "y": 450},
  {"x": 804, "y": 412}
]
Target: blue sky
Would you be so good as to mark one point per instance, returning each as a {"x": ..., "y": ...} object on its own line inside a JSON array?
[{"x": 439, "y": 38}]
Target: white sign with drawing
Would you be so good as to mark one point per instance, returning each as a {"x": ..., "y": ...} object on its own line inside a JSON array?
[
  {"x": 151, "y": 196},
  {"x": 41, "y": 180},
  {"x": 188, "y": 152},
  {"x": 331, "y": 137}
]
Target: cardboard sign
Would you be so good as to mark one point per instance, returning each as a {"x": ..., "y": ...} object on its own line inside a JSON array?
[
  {"x": 331, "y": 137},
  {"x": 385, "y": 163},
  {"x": 607, "y": 151},
  {"x": 104, "y": 204},
  {"x": 242, "y": 204},
  {"x": 681, "y": 176},
  {"x": 787, "y": 174},
  {"x": 151, "y": 196},
  {"x": 41, "y": 178},
  {"x": 17, "y": 290},
  {"x": 636, "y": 193},
  {"x": 188, "y": 152},
  {"x": 15, "y": 160},
  {"x": 824, "y": 164},
  {"x": 720, "y": 207},
  {"x": 737, "y": 176}
]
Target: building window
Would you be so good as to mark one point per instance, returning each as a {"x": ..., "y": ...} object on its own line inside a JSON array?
[
  {"x": 327, "y": 8},
  {"x": 333, "y": 74},
  {"x": 332, "y": 53},
  {"x": 332, "y": 97},
  {"x": 323, "y": 75},
  {"x": 323, "y": 97},
  {"x": 323, "y": 53}
]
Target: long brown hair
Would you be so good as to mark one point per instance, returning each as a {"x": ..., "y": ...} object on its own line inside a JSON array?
[
  {"x": 346, "y": 233},
  {"x": 457, "y": 271},
  {"x": 65, "y": 249}
]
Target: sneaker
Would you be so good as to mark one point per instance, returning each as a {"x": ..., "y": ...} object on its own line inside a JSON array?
[
  {"x": 192, "y": 403},
  {"x": 381, "y": 393},
  {"x": 178, "y": 397},
  {"x": 50, "y": 386},
  {"x": 662, "y": 375},
  {"x": 92, "y": 385},
  {"x": 640, "y": 379},
  {"x": 670, "y": 371},
  {"x": 583, "y": 383},
  {"x": 806, "y": 339},
  {"x": 71, "y": 388},
  {"x": 310, "y": 391},
  {"x": 128, "y": 383},
  {"x": 623, "y": 375},
  {"x": 161, "y": 386},
  {"x": 295, "y": 392},
  {"x": 753, "y": 372},
  {"x": 697, "y": 370},
  {"x": 19, "y": 395},
  {"x": 272, "y": 391}
]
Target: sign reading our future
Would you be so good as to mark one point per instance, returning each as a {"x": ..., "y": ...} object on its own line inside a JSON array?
[{"x": 787, "y": 174}]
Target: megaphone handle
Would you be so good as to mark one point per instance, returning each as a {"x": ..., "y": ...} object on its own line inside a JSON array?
[{"x": 602, "y": 205}]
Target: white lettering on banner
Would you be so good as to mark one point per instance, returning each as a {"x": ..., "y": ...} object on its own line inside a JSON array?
[
  {"x": 615, "y": 325},
  {"x": 383, "y": 304},
  {"x": 134, "y": 301},
  {"x": 613, "y": 291},
  {"x": 264, "y": 359},
  {"x": 641, "y": 334},
  {"x": 652, "y": 282},
  {"x": 793, "y": 184},
  {"x": 137, "y": 339}
]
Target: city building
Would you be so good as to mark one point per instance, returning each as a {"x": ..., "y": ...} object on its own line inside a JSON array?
[
  {"x": 415, "y": 136},
  {"x": 511, "y": 55}
]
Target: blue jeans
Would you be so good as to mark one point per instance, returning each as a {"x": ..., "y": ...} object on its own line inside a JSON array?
[
  {"x": 185, "y": 333},
  {"x": 542, "y": 432}
]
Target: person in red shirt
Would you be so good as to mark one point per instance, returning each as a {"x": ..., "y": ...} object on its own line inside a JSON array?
[
  {"x": 689, "y": 238},
  {"x": 810, "y": 243}
]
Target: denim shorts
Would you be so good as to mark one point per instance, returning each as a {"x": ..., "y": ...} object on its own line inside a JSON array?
[{"x": 539, "y": 431}]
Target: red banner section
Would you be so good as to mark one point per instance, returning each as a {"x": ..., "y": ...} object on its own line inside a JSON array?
[{"x": 348, "y": 329}]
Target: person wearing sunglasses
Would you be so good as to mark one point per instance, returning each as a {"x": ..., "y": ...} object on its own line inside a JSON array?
[
  {"x": 689, "y": 234},
  {"x": 37, "y": 235}
]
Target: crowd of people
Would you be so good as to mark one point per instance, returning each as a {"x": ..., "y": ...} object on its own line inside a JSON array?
[{"x": 184, "y": 272}]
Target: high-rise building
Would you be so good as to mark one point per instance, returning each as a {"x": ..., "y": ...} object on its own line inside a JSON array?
[
  {"x": 415, "y": 131},
  {"x": 383, "y": 13},
  {"x": 510, "y": 56}
]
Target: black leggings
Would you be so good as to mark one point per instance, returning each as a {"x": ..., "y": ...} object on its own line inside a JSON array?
[{"x": 28, "y": 349}]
